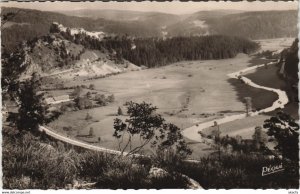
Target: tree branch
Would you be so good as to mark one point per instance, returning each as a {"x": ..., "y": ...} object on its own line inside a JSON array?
[
  {"x": 129, "y": 141},
  {"x": 121, "y": 141},
  {"x": 138, "y": 148}
]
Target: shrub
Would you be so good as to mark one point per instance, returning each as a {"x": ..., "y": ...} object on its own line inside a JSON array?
[
  {"x": 83, "y": 103},
  {"x": 69, "y": 128},
  {"x": 88, "y": 116},
  {"x": 111, "y": 98},
  {"x": 92, "y": 164},
  {"x": 42, "y": 165},
  {"x": 285, "y": 130},
  {"x": 122, "y": 174},
  {"x": 120, "y": 112},
  {"x": 100, "y": 98},
  {"x": 88, "y": 94},
  {"x": 91, "y": 132},
  {"x": 92, "y": 87},
  {"x": 63, "y": 107},
  {"x": 77, "y": 92},
  {"x": 237, "y": 171}
]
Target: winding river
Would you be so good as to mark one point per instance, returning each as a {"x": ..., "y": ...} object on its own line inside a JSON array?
[{"x": 192, "y": 132}]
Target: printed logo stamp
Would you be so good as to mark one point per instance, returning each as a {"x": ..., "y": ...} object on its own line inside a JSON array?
[{"x": 271, "y": 169}]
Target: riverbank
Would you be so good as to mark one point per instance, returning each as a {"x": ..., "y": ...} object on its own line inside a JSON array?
[{"x": 193, "y": 132}]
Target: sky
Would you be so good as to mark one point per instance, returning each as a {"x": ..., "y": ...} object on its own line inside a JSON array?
[{"x": 167, "y": 7}]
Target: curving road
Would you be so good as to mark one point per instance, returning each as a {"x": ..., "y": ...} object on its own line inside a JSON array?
[
  {"x": 65, "y": 139},
  {"x": 192, "y": 132}
]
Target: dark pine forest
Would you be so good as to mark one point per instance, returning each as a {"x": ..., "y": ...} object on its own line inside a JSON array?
[
  {"x": 155, "y": 52},
  {"x": 148, "y": 52}
]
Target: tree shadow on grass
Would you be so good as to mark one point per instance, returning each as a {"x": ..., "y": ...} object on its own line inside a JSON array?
[{"x": 260, "y": 98}]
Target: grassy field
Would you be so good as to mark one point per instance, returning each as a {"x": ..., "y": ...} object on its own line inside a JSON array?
[
  {"x": 243, "y": 127},
  {"x": 267, "y": 77},
  {"x": 186, "y": 93},
  {"x": 260, "y": 98},
  {"x": 257, "y": 61}
]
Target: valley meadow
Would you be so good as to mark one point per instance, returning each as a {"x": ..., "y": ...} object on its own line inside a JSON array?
[{"x": 185, "y": 93}]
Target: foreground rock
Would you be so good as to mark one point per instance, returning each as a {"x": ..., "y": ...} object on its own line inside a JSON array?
[{"x": 155, "y": 172}]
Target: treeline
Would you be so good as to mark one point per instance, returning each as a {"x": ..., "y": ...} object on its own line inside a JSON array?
[
  {"x": 290, "y": 59},
  {"x": 291, "y": 63},
  {"x": 155, "y": 52},
  {"x": 159, "y": 52}
]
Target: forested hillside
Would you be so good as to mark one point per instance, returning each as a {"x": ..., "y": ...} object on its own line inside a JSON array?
[
  {"x": 155, "y": 52},
  {"x": 289, "y": 69},
  {"x": 259, "y": 25},
  {"x": 254, "y": 25},
  {"x": 27, "y": 24},
  {"x": 291, "y": 63},
  {"x": 155, "y": 19},
  {"x": 159, "y": 52},
  {"x": 53, "y": 54}
]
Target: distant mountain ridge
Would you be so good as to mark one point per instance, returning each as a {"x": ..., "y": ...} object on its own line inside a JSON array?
[
  {"x": 124, "y": 15},
  {"x": 29, "y": 24},
  {"x": 253, "y": 25},
  {"x": 250, "y": 24},
  {"x": 260, "y": 25},
  {"x": 38, "y": 24}
]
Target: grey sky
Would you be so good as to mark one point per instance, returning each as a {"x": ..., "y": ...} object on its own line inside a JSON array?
[{"x": 168, "y": 7}]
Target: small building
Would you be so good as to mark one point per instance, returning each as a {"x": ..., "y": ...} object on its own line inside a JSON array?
[
  {"x": 57, "y": 99},
  {"x": 62, "y": 98},
  {"x": 49, "y": 100}
]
